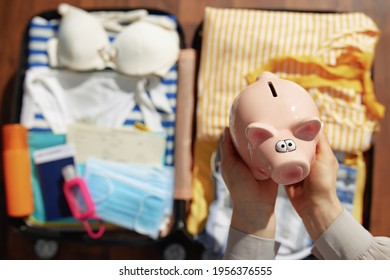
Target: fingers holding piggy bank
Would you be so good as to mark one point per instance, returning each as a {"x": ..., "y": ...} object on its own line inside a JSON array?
[{"x": 274, "y": 124}]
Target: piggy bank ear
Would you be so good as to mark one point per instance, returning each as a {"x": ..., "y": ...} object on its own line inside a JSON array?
[
  {"x": 308, "y": 129},
  {"x": 257, "y": 133}
]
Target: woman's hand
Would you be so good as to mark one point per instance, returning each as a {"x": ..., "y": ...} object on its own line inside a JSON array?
[
  {"x": 253, "y": 200},
  {"x": 315, "y": 198}
]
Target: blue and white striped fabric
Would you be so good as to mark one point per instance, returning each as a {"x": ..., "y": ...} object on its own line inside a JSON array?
[{"x": 41, "y": 30}]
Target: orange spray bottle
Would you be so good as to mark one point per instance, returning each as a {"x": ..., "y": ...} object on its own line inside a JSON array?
[{"x": 17, "y": 171}]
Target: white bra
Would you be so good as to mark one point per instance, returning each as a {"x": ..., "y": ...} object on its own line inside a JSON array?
[{"x": 149, "y": 45}]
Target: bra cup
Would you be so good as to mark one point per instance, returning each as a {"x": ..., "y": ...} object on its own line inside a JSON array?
[
  {"x": 81, "y": 38},
  {"x": 144, "y": 48}
]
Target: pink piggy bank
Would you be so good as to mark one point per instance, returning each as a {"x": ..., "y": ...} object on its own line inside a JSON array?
[{"x": 274, "y": 124}]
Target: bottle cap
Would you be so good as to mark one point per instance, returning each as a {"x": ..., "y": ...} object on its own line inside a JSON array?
[
  {"x": 14, "y": 137},
  {"x": 69, "y": 172}
]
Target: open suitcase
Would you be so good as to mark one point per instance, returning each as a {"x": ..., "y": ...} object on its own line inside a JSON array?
[
  {"x": 175, "y": 243},
  {"x": 190, "y": 222},
  {"x": 230, "y": 52}
]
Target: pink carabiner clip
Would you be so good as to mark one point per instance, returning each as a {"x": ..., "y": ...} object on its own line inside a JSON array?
[{"x": 79, "y": 200}]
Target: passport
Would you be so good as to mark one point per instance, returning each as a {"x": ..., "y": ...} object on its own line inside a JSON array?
[{"x": 49, "y": 163}]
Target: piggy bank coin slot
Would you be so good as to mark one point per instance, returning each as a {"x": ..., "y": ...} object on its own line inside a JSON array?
[{"x": 273, "y": 90}]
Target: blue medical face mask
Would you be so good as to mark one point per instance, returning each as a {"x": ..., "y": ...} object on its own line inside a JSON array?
[{"x": 136, "y": 197}]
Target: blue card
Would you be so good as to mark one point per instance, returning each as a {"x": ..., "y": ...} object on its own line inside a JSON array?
[{"x": 49, "y": 163}]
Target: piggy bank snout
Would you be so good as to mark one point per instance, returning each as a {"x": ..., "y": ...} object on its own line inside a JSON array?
[{"x": 291, "y": 172}]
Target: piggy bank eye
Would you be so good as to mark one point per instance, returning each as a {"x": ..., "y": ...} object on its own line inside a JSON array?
[
  {"x": 290, "y": 145},
  {"x": 281, "y": 146}
]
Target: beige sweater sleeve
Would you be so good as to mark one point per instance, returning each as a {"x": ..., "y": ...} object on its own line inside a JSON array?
[
  {"x": 243, "y": 246},
  {"x": 347, "y": 239}
]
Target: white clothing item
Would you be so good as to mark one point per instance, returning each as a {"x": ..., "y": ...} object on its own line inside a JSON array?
[
  {"x": 100, "y": 98},
  {"x": 150, "y": 45},
  {"x": 220, "y": 214},
  {"x": 295, "y": 242}
]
